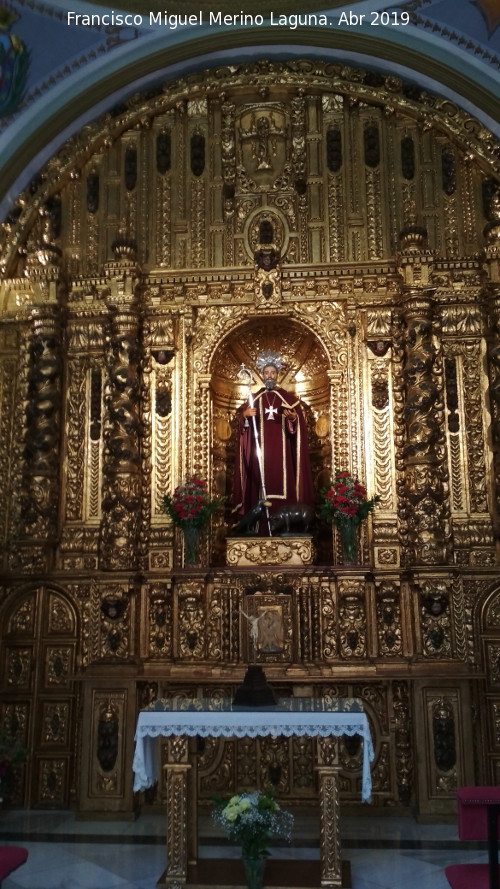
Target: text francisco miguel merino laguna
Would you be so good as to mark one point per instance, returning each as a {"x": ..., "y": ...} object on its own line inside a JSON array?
[{"x": 164, "y": 19}]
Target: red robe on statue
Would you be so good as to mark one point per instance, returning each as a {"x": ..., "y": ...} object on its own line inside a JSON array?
[{"x": 285, "y": 454}]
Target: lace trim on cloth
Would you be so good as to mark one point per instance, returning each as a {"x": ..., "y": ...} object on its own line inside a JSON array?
[{"x": 188, "y": 719}]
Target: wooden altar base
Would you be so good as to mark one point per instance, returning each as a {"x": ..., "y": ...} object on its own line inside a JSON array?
[{"x": 227, "y": 873}]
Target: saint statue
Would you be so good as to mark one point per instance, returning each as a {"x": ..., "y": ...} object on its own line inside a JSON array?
[{"x": 272, "y": 454}]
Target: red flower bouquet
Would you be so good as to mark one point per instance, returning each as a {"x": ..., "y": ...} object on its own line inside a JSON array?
[
  {"x": 190, "y": 506},
  {"x": 345, "y": 501}
]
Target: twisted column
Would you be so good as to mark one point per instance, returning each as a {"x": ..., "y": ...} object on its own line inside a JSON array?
[
  {"x": 122, "y": 479},
  {"x": 39, "y": 498},
  {"x": 424, "y": 488},
  {"x": 121, "y": 502}
]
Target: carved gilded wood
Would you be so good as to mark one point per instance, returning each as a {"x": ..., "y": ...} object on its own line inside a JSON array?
[{"x": 352, "y": 223}]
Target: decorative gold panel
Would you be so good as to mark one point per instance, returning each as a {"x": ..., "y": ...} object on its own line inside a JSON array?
[
  {"x": 59, "y": 666},
  {"x": 106, "y": 750},
  {"x": 22, "y": 620},
  {"x": 55, "y": 723},
  {"x": 257, "y": 551},
  {"x": 18, "y": 668},
  {"x": 447, "y": 758},
  {"x": 52, "y": 781}
]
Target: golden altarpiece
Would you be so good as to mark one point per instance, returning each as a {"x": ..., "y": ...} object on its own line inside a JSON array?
[{"x": 132, "y": 289}]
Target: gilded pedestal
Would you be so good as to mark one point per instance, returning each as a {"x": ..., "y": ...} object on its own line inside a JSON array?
[{"x": 244, "y": 552}]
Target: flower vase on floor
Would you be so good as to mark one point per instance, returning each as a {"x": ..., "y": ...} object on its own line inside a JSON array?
[
  {"x": 191, "y": 545},
  {"x": 251, "y": 819},
  {"x": 349, "y": 536},
  {"x": 254, "y": 872}
]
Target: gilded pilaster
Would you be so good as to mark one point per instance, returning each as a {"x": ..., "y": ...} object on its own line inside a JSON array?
[
  {"x": 332, "y": 107},
  {"x": 203, "y": 421},
  {"x": 299, "y": 164},
  {"x": 328, "y": 764},
  {"x": 403, "y": 740},
  {"x": 494, "y": 392},
  {"x": 378, "y": 404},
  {"x": 492, "y": 257},
  {"x": 176, "y": 772},
  {"x": 228, "y": 172}
]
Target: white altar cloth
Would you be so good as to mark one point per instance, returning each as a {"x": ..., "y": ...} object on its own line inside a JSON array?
[{"x": 313, "y": 717}]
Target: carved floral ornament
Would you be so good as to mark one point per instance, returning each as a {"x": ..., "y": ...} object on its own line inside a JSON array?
[{"x": 329, "y": 80}]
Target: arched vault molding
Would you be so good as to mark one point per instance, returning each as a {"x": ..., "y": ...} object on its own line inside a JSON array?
[
  {"x": 391, "y": 94},
  {"x": 327, "y": 323},
  {"x": 419, "y": 56}
]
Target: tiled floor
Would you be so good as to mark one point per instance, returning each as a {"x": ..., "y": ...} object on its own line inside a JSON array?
[{"x": 385, "y": 852}]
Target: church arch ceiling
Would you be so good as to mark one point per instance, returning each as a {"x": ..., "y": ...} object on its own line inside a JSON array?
[
  {"x": 332, "y": 162},
  {"x": 449, "y": 51}
]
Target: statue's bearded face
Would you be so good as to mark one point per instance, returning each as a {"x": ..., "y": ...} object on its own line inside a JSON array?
[{"x": 270, "y": 376}]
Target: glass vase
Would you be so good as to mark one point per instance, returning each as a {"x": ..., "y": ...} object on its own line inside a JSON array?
[
  {"x": 254, "y": 872},
  {"x": 349, "y": 537},
  {"x": 191, "y": 545}
]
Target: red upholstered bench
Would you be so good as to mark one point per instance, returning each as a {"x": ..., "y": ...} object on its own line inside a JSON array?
[
  {"x": 478, "y": 813},
  {"x": 11, "y": 857}
]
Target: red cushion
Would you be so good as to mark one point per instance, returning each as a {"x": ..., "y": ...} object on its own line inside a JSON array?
[
  {"x": 468, "y": 876},
  {"x": 472, "y": 811},
  {"x": 11, "y": 857}
]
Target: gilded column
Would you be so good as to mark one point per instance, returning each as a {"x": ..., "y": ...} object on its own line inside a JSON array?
[
  {"x": 43, "y": 426},
  {"x": 38, "y": 516},
  {"x": 38, "y": 510},
  {"x": 121, "y": 501},
  {"x": 492, "y": 257},
  {"x": 424, "y": 485}
]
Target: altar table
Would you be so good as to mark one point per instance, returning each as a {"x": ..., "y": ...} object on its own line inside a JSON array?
[{"x": 179, "y": 720}]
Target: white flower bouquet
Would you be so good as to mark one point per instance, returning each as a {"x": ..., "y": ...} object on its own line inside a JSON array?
[{"x": 251, "y": 819}]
